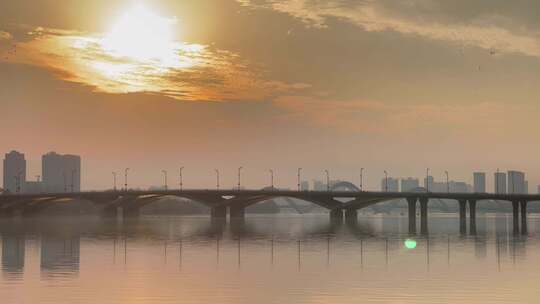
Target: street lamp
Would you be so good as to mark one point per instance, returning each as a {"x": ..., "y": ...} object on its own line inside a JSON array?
[
  {"x": 114, "y": 180},
  {"x": 126, "y": 179},
  {"x": 271, "y": 179},
  {"x": 165, "y": 177},
  {"x": 427, "y": 179},
  {"x": 361, "y": 179},
  {"x": 181, "y": 179},
  {"x": 447, "y": 182},
  {"x": 217, "y": 178},
  {"x": 239, "y": 172},
  {"x": 299, "y": 170},
  {"x": 385, "y": 181},
  {"x": 327, "y": 180}
]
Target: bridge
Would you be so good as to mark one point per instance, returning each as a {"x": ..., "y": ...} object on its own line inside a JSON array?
[{"x": 342, "y": 201}]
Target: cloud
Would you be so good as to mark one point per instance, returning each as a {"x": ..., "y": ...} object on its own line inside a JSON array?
[
  {"x": 5, "y": 36},
  {"x": 398, "y": 120},
  {"x": 190, "y": 72},
  {"x": 487, "y": 31}
]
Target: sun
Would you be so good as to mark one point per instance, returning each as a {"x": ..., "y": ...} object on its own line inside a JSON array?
[{"x": 141, "y": 35}]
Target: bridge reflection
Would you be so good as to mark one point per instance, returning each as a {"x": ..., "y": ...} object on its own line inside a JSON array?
[{"x": 60, "y": 242}]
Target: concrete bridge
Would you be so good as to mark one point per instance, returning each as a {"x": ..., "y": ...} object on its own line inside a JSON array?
[{"x": 342, "y": 201}]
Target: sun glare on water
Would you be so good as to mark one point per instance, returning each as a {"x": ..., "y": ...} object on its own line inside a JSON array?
[{"x": 141, "y": 35}]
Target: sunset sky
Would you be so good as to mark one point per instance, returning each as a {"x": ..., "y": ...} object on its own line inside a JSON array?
[{"x": 337, "y": 85}]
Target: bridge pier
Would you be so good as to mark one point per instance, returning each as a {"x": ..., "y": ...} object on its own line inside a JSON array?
[
  {"x": 351, "y": 216},
  {"x": 218, "y": 212},
  {"x": 336, "y": 216},
  {"x": 523, "y": 217},
  {"x": 237, "y": 212},
  {"x": 472, "y": 216},
  {"x": 411, "y": 201},
  {"x": 462, "y": 216},
  {"x": 515, "y": 216},
  {"x": 424, "y": 215}
]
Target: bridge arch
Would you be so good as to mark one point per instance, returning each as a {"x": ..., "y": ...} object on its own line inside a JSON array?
[{"x": 348, "y": 186}]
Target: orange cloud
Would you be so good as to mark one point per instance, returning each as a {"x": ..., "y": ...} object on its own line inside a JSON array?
[
  {"x": 186, "y": 71},
  {"x": 5, "y": 36}
]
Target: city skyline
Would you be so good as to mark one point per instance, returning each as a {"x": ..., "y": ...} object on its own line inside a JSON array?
[
  {"x": 63, "y": 173},
  {"x": 449, "y": 90}
]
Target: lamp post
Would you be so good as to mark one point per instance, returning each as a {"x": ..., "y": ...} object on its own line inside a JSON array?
[
  {"x": 165, "y": 179},
  {"x": 126, "y": 179},
  {"x": 239, "y": 174},
  {"x": 361, "y": 179},
  {"x": 427, "y": 179},
  {"x": 271, "y": 179},
  {"x": 181, "y": 178},
  {"x": 114, "y": 180},
  {"x": 447, "y": 182},
  {"x": 217, "y": 178},
  {"x": 385, "y": 181},
  {"x": 299, "y": 170},
  {"x": 327, "y": 180}
]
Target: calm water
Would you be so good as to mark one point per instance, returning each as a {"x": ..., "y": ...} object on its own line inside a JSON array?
[{"x": 270, "y": 259}]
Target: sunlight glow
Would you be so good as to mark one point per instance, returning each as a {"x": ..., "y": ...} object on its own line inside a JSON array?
[{"x": 142, "y": 35}]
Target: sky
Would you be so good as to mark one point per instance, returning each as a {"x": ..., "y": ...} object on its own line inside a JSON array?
[{"x": 268, "y": 84}]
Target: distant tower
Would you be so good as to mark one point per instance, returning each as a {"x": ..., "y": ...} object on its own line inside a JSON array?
[
  {"x": 516, "y": 182},
  {"x": 14, "y": 172},
  {"x": 479, "y": 182},
  {"x": 499, "y": 182}
]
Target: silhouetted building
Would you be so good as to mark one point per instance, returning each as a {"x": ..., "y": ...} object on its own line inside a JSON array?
[
  {"x": 500, "y": 182},
  {"x": 33, "y": 187},
  {"x": 428, "y": 183},
  {"x": 408, "y": 184},
  {"x": 526, "y": 187},
  {"x": 516, "y": 182},
  {"x": 304, "y": 186},
  {"x": 61, "y": 173},
  {"x": 390, "y": 185},
  {"x": 14, "y": 172},
  {"x": 538, "y": 189},
  {"x": 319, "y": 185},
  {"x": 479, "y": 182}
]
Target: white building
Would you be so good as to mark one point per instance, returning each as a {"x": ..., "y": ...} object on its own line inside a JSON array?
[
  {"x": 408, "y": 184},
  {"x": 14, "y": 172},
  {"x": 499, "y": 180},
  {"x": 479, "y": 183},
  {"x": 516, "y": 182},
  {"x": 390, "y": 185}
]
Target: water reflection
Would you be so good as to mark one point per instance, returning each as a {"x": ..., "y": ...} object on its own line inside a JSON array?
[
  {"x": 13, "y": 253},
  {"x": 355, "y": 258}
]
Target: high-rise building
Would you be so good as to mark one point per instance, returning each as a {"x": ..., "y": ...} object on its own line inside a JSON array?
[
  {"x": 479, "y": 182},
  {"x": 428, "y": 183},
  {"x": 516, "y": 182},
  {"x": 538, "y": 189},
  {"x": 61, "y": 173},
  {"x": 390, "y": 185},
  {"x": 14, "y": 172},
  {"x": 319, "y": 185},
  {"x": 304, "y": 186},
  {"x": 526, "y": 187},
  {"x": 499, "y": 180},
  {"x": 408, "y": 184}
]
